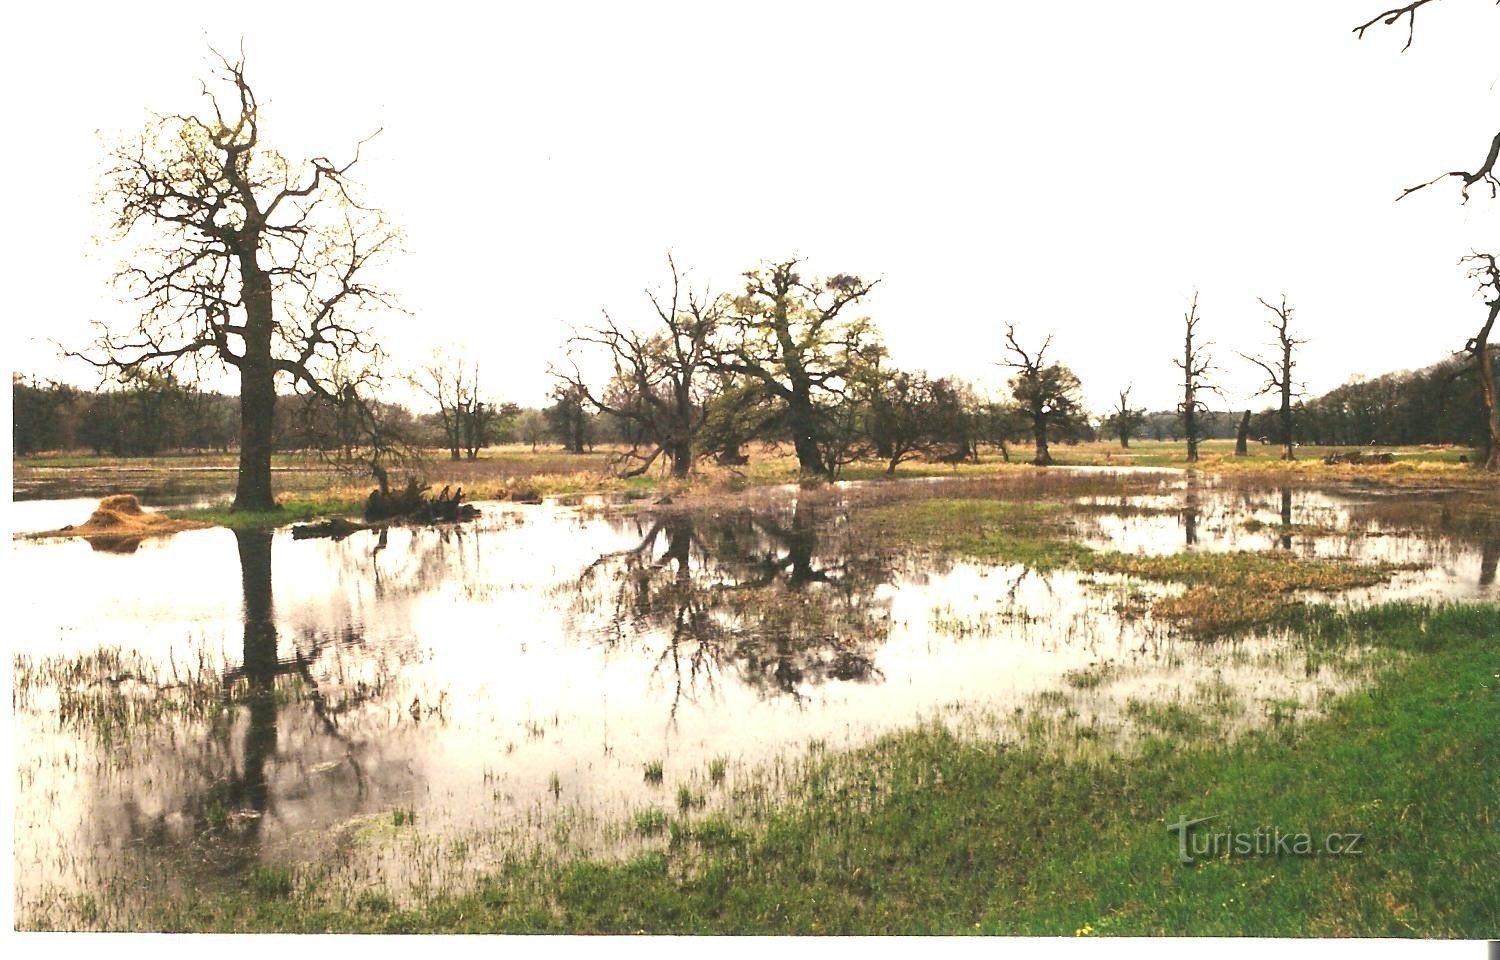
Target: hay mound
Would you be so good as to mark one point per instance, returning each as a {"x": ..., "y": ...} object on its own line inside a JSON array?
[
  {"x": 119, "y": 524},
  {"x": 123, "y": 503}
]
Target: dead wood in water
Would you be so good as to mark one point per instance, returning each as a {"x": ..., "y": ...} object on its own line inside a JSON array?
[
  {"x": 412, "y": 503},
  {"x": 336, "y": 528}
]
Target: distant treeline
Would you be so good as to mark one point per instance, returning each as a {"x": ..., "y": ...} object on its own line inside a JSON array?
[{"x": 154, "y": 415}]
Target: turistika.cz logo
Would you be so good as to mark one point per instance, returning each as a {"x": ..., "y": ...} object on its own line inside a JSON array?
[{"x": 1193, "y": 842}]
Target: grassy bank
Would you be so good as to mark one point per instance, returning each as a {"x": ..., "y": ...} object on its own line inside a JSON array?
[
  {"x": 926, "y": 832},
  {"x": 293, "y": 510}
]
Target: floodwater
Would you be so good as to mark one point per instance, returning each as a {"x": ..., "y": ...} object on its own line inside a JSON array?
[{"x": 216, "y": 700}]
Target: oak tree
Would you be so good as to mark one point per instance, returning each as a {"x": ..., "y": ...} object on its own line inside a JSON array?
[
  {"x": 1124, "y": 419},
  {"x": 789, "y": 334},
  {"x": 1046, "y": 393},
  {"x": 244, "y": 259},
  {"x": 662, "y": 380}
]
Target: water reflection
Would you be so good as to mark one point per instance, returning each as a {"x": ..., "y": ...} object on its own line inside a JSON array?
[
  {"x": 259, "y": 669},
  {"x": 1190, "y": 509},
  {"x": 746, "y": 591},
  {"x": 533, "y": 662},
  {"x": 1286, "y": 518}
]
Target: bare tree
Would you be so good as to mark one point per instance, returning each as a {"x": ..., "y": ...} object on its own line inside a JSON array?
[
  {"x": 246, "y": 260},
  {"x": 1279, "y": 371},
  {"x": 788, "y": 335},
  {"x": 1125, "y": 419},
  {"x": 466, "y": 418},
  {"x": 1195, "y": 365},
  {"x": 1047, "y": 393},
  {"x": 1487, "y": 273},
  {"x": 661, "y": 381},
  {"x": 1485, "y": 172}
]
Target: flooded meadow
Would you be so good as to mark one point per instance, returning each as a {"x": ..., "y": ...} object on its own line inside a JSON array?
[{"x": 406, "y": 710}]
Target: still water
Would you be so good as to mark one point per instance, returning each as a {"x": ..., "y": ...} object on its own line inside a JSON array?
[{"x": 216, "y": 700}]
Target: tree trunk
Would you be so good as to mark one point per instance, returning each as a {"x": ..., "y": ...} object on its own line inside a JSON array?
[
  {"x": 1487, "y": 394},
  {"x": 682, "y": 460},
  {"x": 1190, "y": 427},
  {"x": 1124, "y": 440},
  {"x": 809, "y": 458},
  {"x": 1039, "y": 433},
  {"x": 257, "y": 415},
  {"x": 257, "y": 391},
  {"x": 803, "y": 420},
  {"x": 1286, "y": 414},
  {"x": 1242, "y": 439}
]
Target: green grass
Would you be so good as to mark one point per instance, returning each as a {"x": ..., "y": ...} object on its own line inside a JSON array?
[
  {"x": 688, "y": 798},
  {"x": 293, "y": 510},
  {"x": 270, "y": 882},
  {"x": 717, "y": 767},
  {"x": 650, "y": 823},
  {"x": 923, "y": 832}
]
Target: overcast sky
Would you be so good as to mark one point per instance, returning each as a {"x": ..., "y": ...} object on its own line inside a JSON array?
[{"x": 1073, "y": 168}]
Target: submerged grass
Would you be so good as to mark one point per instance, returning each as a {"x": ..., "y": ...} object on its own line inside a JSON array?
[
  {"x": 1028, "y": 532},
  {"x": 927, "y": 832},
  {"x": 1227, "y": 591}
]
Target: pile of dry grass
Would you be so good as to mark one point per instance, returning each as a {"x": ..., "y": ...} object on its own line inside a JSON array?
[{"x": 119, "y": 524}]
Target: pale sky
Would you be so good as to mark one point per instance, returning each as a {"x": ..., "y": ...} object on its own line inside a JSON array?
[{"x": 1074, "y": 168}]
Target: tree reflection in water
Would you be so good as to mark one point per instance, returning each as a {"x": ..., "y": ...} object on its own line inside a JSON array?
[
  {"x": 276, "y": 754},
  {"x": 748, "y": 591},
  {"x": 1286, "y": 518}
]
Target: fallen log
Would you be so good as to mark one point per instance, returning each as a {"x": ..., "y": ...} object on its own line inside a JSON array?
[{"x": 335, "y": 528}]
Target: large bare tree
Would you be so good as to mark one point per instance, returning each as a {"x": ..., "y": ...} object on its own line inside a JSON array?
[
  {"x": 661, "y": 379},
  {"x": 1278, "y": 371},
  {"x": 1195, "y": 365},
  {"x": 789, "y": 335},
  {"x": 246, "y": 260}
]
